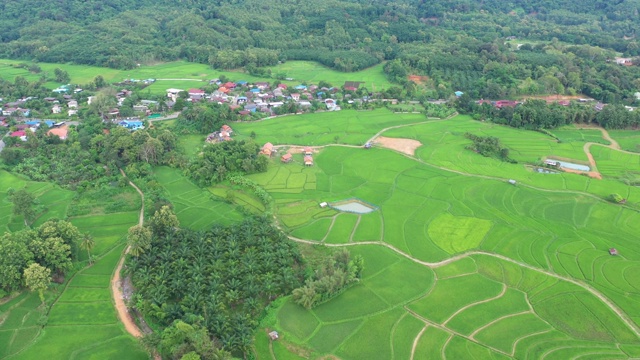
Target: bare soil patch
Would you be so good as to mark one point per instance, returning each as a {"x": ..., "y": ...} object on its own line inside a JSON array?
[
  {"x": 407, "y": 146},
  {"x": 420, "y": 80}
]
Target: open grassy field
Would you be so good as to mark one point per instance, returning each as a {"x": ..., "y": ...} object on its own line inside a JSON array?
[
  {"x": 341, "y": 127},
  {"x": 628, "y": 140},
  {"x": 448, "y": 201},
  {"x": 185, "y": 75}
]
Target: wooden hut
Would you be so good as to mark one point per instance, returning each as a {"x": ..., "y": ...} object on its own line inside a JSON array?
[
  {"x": 308, "y": 160},
  {"x": 267, "y": 149},
  {"x": 286, "y": 158},
  {"x": 308, "y": 151},
  {"x": 613, "y": 251}
]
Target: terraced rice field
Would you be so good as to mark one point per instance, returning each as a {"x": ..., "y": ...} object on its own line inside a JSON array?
[
  {"x": 196, "y": 208},
  {"x": 459, "y": 263}
]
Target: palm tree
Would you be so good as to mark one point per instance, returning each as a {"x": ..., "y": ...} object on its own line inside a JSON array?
[{"x": 87, "y": 243}]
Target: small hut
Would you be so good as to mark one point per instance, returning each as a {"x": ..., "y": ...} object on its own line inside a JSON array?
[
  {"x": 267, "y": 149},
  {"x": 367, "y": 145},
  {"x": 308, "y": 161},
  {"x": 512, "y": 182},
  {"x": 274, "y": 335},
  {"x": 324, "y": 204},
  {"x": 613, "y": 251},
  {"x": 286, "y": 158},
  {"x": 308, "y": 151}
]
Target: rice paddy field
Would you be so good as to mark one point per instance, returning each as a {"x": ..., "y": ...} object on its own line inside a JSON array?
[
  {"x": 185, "y": 75},
  {"x": 336, "y": 127},
  {"x": 458, "y": 262},
  {"x": 82, "y": 321}
]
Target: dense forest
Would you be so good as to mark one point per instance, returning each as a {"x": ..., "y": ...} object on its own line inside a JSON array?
[
  {"x": 554, "y": 47},
  {"x": 221, "y": 278}
]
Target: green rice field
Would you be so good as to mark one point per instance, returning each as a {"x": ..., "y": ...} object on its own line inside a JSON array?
[
  {"x": 185, "y": 75},
  {"x": 82, "y": 321},
  {"x": 531, "y": 275}
]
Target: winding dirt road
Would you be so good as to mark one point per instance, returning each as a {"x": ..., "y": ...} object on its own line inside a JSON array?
[{"x": 118, "y": 298}]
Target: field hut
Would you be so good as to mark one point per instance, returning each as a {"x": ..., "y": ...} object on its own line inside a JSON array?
[
  {"x": 308, "y": 161},
  {"x": 226, "y": 128},
  {"x": 512, "y": 182},
  {"x": 267, "y": 149},
  {"x": 613, "y": 251},
  {"x": 286, "y": 158},
  {"x": 308, "y": 151},
  {"x": 367, "y": 145},
  {"x": 274, "y": 335},
  {"x": 323, "y": 204}
]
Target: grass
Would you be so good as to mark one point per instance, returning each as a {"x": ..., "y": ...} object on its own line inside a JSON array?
[
  {"x": 627, "y": 139},
  {"x": 195, "y": 207},
  {"x": 457, "y": 234},
  {"x": 342, "y": 127}
]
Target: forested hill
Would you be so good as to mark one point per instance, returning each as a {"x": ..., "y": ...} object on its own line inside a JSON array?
[{"x": 451, "y": 41}]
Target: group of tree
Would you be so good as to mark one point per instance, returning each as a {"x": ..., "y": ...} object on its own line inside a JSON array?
[
  {"x": 223, "y": 277},
  {"x": 218, "y": 160},
  {"x": 489, "y": 146},
  {"x": 537, "y": 114},
  {"x": 185, "y": 341},
  {"x": 331, "y": 277},
  {"x": 32, "y": 257},
  {"x": 564, "y": 46},
  {"x": 91, "y": 154}
]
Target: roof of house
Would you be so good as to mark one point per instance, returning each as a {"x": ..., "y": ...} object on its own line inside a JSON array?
[
  {"x": 226, "y": 127},
  {"x": 244, "y": 112},
  {"x": 308, "y": 158},
  {"x": 229, "y": 85},
  {"x": 286, "y": 156},
  {"x": 18, "y": 133},
  {"x": 196, "y": 91},
  {"x": 61, "y": 132},
  {"x": 308, "y": 149},
  {"x": 268, "y": 146}
]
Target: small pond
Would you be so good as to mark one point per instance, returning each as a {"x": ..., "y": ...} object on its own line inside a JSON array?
[
  {"x": 353, "y": 206},
  {"x": 572, "y": 166},
  {"x": 545, "y": 171}
]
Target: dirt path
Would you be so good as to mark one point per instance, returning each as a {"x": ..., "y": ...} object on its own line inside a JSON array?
[
  {"x": 621, "y": 314},
  {"x": 118, "y": 298},
  {"x": 416, "y": 340}
]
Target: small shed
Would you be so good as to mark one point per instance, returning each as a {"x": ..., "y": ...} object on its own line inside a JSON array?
[
  {"x": 286, "y": 158},
  {"x": 324, "y": 204},
  {"x": 308, "y": 151},
  {"x": 308, "y": 161},
  {"x": 367, "y": 145},
  {"x": 512, "y": 182},
  {"x": 613, "y": 251},
  {"x": 274, "y": 335}
]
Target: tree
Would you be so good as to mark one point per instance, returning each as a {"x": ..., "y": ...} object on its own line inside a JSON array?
[
  {"x": 87, "y": 243},
  {"x": 164, "y": 221},
  {"x": 23, "y": 203},
  {"x": 61, "y": 76},
  {"x": 104, "y": 101},
  {"x": 37, "y": 278},
  {"x": 138, "y": 239},
  {"x": 51, "y": 252},
  {"x": 99, "y": 82},
  {"x": 14, "y": 259}
]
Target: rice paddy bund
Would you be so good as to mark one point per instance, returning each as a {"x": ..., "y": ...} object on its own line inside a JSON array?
[{"x": 458, "y": 262}]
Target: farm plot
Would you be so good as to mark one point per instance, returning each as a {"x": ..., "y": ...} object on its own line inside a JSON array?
[
  {"x": 196, "y": 208},
  {"x": 81, "y": 321},
  {"x": 628, "y": 140},
  {"x": 342, "y": 127},
  {"x": 483, "y": 306}
]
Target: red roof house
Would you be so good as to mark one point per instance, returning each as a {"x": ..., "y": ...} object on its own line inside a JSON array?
[
  {"x": 308, "y": 151},
  {"x": 308, "y": 160},
  {"x": 19, "y": 133},
  {"x": 229, "y": 85},
  {"x": 286, "y": 158},
  {"x": 267, "y": 149}
]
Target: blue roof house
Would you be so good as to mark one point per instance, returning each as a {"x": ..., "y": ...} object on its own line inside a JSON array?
[
  {"x": 131, "y": 124},
  {"x": 459, "y": 93}
]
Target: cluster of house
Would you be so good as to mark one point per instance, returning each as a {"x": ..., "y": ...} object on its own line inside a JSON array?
[
  {"x": 288, "y": 157},
  {"x": 219, "y": 136},
  {"x": 132, "y": 124},
  {"x": 499, "y": 104},
  {"x": 58, "y": 129},
  {"x": 260, "y": 96},
  {"x": 15, "y": 108}
]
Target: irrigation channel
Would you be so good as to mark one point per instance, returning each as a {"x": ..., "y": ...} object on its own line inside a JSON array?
[{"x": 133, "y": 329}]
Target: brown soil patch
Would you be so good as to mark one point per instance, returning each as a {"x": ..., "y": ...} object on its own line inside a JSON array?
[
  {"x": 406, "y": 146},
  {"x": 299, "y": 150},
  {"x": 420, "y": 80},
  {"x": 592, "y": 174},
  {"x": 121, "y": 308}
]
